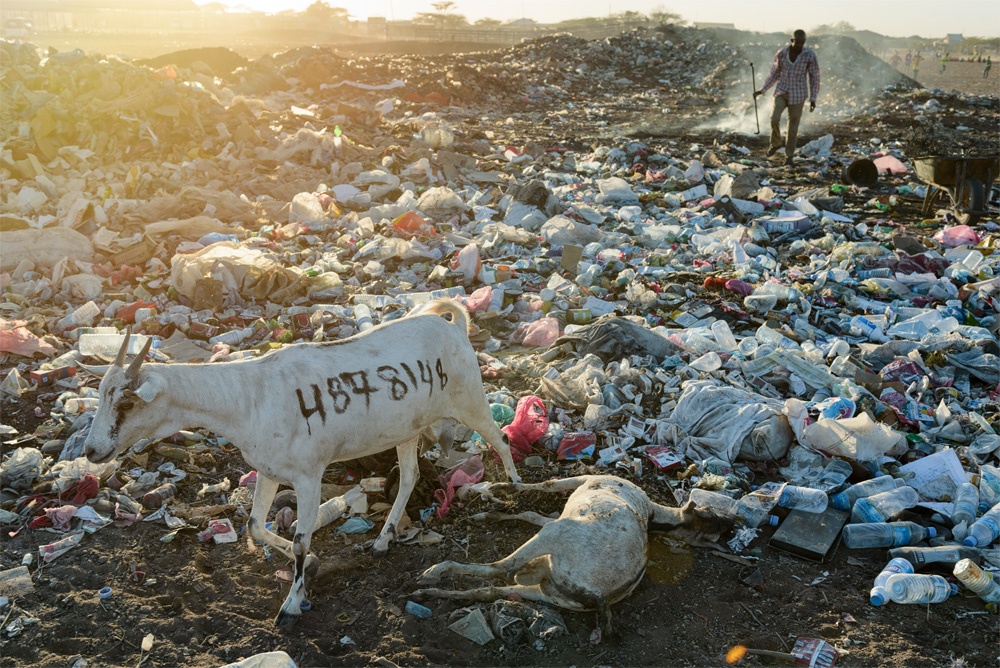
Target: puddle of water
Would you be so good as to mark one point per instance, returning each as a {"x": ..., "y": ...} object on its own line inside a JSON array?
[{"x": 668, "y": 562}]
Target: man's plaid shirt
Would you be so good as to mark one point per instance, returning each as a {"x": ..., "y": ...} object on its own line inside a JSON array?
[{"x": 791, "y": 77}]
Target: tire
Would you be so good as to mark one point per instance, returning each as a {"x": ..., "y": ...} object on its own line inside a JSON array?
[{"x": 973, "y": 199}]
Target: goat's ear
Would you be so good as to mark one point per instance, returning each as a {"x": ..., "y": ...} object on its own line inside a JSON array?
[{"x": 149, "y": 389}]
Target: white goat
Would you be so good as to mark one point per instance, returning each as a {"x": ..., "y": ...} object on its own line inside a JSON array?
[
  {"x": 295, "y": 410},
  {"x": 593, "y": 555}
]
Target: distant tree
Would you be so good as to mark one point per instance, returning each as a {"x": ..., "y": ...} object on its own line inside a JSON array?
[
  {"x": 488, "y": 23},
  {"x": 629, "y": 16},
  {"x": 322, "y": 13},
  {"x": 660, "y": 15},
  {"x": 441, "y": 17}
]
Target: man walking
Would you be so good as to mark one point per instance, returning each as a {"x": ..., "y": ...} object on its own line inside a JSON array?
[
  {"x": 793, "y": 66},
  {"x": 986, "y": 70}
]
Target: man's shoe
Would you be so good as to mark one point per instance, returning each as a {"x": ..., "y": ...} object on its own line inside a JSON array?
[
  {"x": 772, "y": 151},
  {"x": 789, "y": 162}
]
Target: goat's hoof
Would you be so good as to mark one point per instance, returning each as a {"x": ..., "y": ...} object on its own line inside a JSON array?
[
  {"x": 285, "y": 620},
  {"x": 379, "y": 551}
]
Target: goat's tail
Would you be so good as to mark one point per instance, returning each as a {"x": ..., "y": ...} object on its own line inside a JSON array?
[{"x": 458, "y": 312}]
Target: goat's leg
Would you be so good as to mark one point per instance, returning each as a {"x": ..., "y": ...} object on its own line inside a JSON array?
[
  {"x": 560, "y": 485},
  {"x": 547, "y": 540},
  {"x": 489, "y": 594},
  {"x": 671, "y": 516},
  {"x": 482, "y": 421},
  {"x": 527, "y": 516},
  {"x": 409, "y": 471},
  {"x": 263, "y": 496},
  {"x": 308, "y": 492}
]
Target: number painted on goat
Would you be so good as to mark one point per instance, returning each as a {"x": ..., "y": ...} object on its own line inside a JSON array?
[{"x": 344, "y": 387}]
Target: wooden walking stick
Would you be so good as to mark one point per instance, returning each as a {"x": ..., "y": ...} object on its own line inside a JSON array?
[{"x": 753, "y": 76}]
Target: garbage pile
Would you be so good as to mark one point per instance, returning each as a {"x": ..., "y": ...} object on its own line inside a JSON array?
[{"x": 682, "y": 310}]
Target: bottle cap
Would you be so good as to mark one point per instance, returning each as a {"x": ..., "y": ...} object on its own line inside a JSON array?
[
  {"x": 105, "y": 593},
  {"x": 773, "y": 520},
  {"x": 931, "y": 532},
  {"x": 971, "y": 541},
  {"x": 878, "y": 596}
]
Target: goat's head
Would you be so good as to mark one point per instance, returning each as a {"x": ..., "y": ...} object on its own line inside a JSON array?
[{"x": 123, "y": 414}]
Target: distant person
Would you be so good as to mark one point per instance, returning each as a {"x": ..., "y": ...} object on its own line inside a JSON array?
[
  {"x": 916, "y": 65},
  {"x": 986, "y": 70},
  {"x": 909, "y": 59},
  {"x": 944, "y": 62},
  {"x": 895, "y": 60},
  {"x": 796, "y": 71}
]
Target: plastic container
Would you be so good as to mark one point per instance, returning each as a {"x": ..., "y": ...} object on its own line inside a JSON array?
[
  {"x": 834, "y": 476},
  {"x": 724, "y": 336},
  {"x": 80, "y": 317},
  {"x": 744, "y": 511},
  {"x": 108, "y": 343},
  {"x": 862, "y": 326},
  {"x": 945, "y": 556},
  {"x": 363, "y": 317},
  {"x": 977, "y": 581},
  {"x": 845, "y": 500},
  {"x": 985, "y": 530},
  {"x": 232, "y": 337},
  {"x": 879, "y": 595},
  {"x": 885, "y": 534},
  {"x": 775, "y": 338},
  {"x": 707, "y": 362},
  {"x": 885, "y": 506},
  {"x": 966, "y": 504},
  {"x": 910, "y": 588},
  {"x": 157, "y": 497},
  {"x": 803, "y": 498}
]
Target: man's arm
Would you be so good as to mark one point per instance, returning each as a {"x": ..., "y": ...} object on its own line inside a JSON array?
[
  {"x": 772, "y": 78},
  {"x": 813, "y": 72}
]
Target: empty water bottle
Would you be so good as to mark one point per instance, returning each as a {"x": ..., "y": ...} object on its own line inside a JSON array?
[
  {"x": 159, "y": 496},
  {"x": 985, "y": 530},
  {"x": 862, "y": 326},
  {"x": 885, "y": 534},
  {"x": 363, "y": 317},
  {"x": 834, "y": 476},
  {"x": 918, "y": 588},
  {"x": 885, "y": 506},
  {"x": 745, "y": 511},
  {"x": 775, "y": 338},
  {"x": 803, "y": 498},
  {"x": 879, "y": 595},
  {"x": 966, "y": 504},
  {"x": 945, "y": 556},
  {"x": 707, "y": 362},
  {"x": 845, "y": 500},
  {"x": 977, "y": 580},
  {"x": 724, "y": 335}
]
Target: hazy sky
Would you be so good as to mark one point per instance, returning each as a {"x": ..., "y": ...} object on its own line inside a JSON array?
[{"x": 929, "y": 18}]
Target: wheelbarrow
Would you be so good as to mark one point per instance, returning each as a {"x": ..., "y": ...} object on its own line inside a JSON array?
[{"x": 965, "y": 180}]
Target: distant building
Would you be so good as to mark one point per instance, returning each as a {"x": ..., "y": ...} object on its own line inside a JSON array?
[
  {"x": 710, "y": 24},
  {"x": 954, "y": 40}
]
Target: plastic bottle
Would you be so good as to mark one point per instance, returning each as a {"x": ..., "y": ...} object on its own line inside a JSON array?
[
  {"x": 985, "y": 530},
  {"x": 81, "y": 317},
  {"x": 80, "y": 405},
  {"x": 157, "y": 497},
  {"x": 109, "y": 342},
  {"x": 724, "y": 336},
  {"x": 883, "y": 507},
  {"x": 862, "y": 326},
  {"x": 232, "y": 337},
  {"x": 845, "y": 500},
  {"x": 803, "y": 498},
  {"x": 363, "y": 316},
  {"x": 767, "y": 335},
  {"x": 707, "y": 362},
  {"x": 966, "y": 504},
  {"x": 945, "y": 556},
  {"x": 879, "y": 595},
  {"x": 977, "y": 580},
  {"x": 918, "y": 588},
  {"x": 885, "y": 534},
  {"x": 745, "y": 511}
]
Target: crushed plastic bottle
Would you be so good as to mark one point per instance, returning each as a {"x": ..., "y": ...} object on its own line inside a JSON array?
[
  {"x": 985, "y": 530},
  {"x": 845, "y": 500},
  {"x": 884, "y": 506},
  {"x": 885, "y": 534},
  {"x": 966, "y": 502}
]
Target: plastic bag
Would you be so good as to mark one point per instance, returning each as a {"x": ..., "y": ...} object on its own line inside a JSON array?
[
  {"x": 960, "y": 235},
  {"x": 468, "y": 262},
  {"x": 530, "y": 423},
  {"x": 538, "y": 334},
  {"x": 411, "y": 224},
  {"x": 468, "y": 472}
]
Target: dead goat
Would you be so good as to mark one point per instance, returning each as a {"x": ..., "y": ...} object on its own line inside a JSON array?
[
  {"x": 296, "y": 410},
  {"x": 591, "y": 556}
]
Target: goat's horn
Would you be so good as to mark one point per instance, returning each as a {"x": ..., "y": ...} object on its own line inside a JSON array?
[
  {"x": 120, "y": 360},
  {"x": 133, "y": 368}
]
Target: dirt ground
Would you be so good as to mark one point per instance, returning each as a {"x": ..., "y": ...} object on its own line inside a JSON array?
[{"x": 208, "y": 604}]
